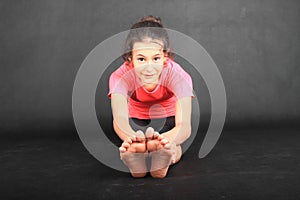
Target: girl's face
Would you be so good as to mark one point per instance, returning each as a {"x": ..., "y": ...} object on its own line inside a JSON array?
[{"x": 148, "y": 60}]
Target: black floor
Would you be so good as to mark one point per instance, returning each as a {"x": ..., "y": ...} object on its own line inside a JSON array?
[{"x": 257, "y": 164}]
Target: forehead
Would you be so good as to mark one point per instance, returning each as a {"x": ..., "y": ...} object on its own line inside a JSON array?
[{"x": 147, "y": 47}]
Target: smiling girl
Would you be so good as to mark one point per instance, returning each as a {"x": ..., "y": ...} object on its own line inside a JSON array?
[{"x": 151, "y": 101}]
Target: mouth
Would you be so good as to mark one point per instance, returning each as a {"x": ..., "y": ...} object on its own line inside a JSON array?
[{"x": 148, "y": 75}]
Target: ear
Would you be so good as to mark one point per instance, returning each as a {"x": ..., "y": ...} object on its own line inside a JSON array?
[
  {"x": 165, "y": 60},
  {"x": 166, "y": 53}
]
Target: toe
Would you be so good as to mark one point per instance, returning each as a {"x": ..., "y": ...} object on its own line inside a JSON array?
[{"x": 149, "y": 133}]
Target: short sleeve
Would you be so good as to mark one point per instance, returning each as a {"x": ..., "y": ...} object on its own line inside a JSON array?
[
  {"x": 121, "y": 80},
  {"x": 180, "y": 82},
  {"x": 117, "y": 84}
]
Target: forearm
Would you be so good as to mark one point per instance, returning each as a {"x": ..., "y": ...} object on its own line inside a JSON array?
[
  {"x": 120, "y": 117},
  {"x": 123, "y": 129},
  {"x": 182, "y": 130}
]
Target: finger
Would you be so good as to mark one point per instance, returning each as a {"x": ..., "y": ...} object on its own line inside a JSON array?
[
  {"x": 167, "y": 146},
  {"x": 139, "y": 133},
  {"x": 160, "y": 137},
  {"x": 122, "y": 149},
  {"x": 133, "y": 138},
  {"x": 164, "y": 141},
  {"x": 140, "y": 136},
  {"x": 149, "y": 133},
  {"x": 140, "y": 139},
  {"x": 125, "y": 145},
  {"x": 156, "y": 135},
  {"x": 129, "y": 140}
]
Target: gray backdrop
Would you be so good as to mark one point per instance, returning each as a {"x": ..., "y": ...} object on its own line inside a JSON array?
[{"x": 255, "y": 45}]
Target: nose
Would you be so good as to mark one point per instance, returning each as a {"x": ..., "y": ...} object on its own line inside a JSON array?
[{"x": 149, "y": 67}]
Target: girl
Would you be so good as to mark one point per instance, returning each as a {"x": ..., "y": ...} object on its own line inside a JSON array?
[{"x": 151, "y": 101}]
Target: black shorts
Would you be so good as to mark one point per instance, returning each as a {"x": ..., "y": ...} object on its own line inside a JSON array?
[{"x": 160, "y": 125}]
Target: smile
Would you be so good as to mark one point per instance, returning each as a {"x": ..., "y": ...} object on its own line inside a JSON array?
[{"x": 148, "y": 75}]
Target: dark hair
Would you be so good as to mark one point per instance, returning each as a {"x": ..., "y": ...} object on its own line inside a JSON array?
[{"x": 147, "y": 27}]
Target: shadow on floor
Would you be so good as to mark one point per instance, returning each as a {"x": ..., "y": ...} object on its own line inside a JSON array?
[{"x": 260, "y": 164}]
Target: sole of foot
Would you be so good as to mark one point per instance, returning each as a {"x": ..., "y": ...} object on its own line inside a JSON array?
[
  {"x": 136, "y": 162},
  {"x": 160, "y": 162}
]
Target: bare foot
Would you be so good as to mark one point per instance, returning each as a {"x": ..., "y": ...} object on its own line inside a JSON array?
[
  {"x": 152, "y": 142},
  {"x": 161, "y": 160},
  {"x": 162, "y": 152},
  {"x": 133, "y": 154}
]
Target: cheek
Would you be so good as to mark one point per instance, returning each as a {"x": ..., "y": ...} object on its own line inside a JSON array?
[
  {"x": 138, "y": 70},
  {"x": 159, "y": 69},
  {"x": 137, "y": 66}
]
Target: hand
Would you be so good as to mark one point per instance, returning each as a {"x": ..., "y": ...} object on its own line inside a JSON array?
[
  {"x": 155, "y": 141},
  {"x": 139, "y": 136},
  {"x": 134, "y": 144}
]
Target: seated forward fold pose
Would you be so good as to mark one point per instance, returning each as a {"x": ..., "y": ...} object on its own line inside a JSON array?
[{"x": 151, "y": 101}]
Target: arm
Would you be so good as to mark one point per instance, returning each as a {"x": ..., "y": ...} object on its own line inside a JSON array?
[
  {"x": 120, "y": 117},
  {"x": 182, "y": 129}
]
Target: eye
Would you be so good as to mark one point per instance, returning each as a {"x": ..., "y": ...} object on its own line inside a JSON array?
[
  {"x": 141, "y": 59},
  {"x": 156, "y": 58}
]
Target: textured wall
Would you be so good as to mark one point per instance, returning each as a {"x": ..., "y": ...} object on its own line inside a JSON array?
[{"x": 255, "y": 44}]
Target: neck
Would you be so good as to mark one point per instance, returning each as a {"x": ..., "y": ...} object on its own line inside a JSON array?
[{"x": 150, "y": 87}]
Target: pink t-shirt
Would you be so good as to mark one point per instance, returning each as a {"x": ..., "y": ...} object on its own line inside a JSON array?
[{"x": 174, "y": 83}]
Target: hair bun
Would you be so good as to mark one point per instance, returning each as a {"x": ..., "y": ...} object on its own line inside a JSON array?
[{"x": 151, "y": 18}]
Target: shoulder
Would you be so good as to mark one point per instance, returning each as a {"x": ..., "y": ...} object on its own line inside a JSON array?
[
  {"x": 173, "y": 68},
  {"x": 122, "y": 71}
]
